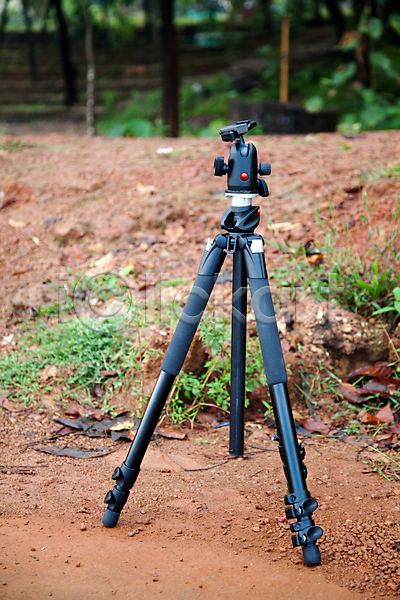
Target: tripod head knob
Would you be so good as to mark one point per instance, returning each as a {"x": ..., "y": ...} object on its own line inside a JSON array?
[
  {"x": 220, "y": 167},
  {"x": 264, "y": 169},
  {"x": 262, "y": 187}
]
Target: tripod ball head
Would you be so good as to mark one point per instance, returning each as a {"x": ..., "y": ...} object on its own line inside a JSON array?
[{"x": 242, "y": 168}]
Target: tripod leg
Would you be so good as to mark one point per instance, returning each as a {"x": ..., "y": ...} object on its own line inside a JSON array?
[
  {"x": 238, "y": 355},
  {"x": 292, "y": 453},
  {"x": 126, "y": 475}
]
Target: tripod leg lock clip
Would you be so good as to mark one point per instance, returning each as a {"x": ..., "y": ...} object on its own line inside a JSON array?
[
  {"x": 308, "y": 535},
  {"x": 302, "y": 505},
  {"x": 125, "y": 478}
]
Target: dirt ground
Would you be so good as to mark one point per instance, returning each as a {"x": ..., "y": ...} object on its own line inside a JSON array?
[{"x": 70, "y": 204}]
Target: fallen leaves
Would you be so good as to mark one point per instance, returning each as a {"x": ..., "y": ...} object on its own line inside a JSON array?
[
  {"x": 94, "y": 422},
  {"x": 9, "y": 404},
  {"x": 74, "y": 451},
  {"x": 385, "y": 415},
  {"x": 381, "y": 384},
  {"x": 75, "y": 409},
  {"x": 145, "y": 190},
  {"x": 49, "y": 372},
  {"x": 379, "y": 370},
  {"x": 315, "y": 426}
]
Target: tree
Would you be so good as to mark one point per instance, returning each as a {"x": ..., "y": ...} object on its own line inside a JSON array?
[
  {"x": 337, "y": 18},
  {"x": 3, "y": 19},
  {"x": 29, "y": 40},
  {"x": 363, "y": 71},
  {"x": 170, "y": 68},
  {"x": 65, "y": 52},
  {"x": 90, "y": 74}
]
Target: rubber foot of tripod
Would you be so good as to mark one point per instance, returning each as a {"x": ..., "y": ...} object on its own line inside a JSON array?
[
  {"x": 110, "y": 518},
  {"x": 311, "y": 556}
]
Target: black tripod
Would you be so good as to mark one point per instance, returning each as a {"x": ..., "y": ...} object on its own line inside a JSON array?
[{"x": 247, "y": 248}]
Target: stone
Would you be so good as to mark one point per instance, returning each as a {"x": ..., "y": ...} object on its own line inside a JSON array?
[
  {"x": 346, "y": 340},
  {"x": 69, "y": 230},
  {"x": 13, "y": 192}
]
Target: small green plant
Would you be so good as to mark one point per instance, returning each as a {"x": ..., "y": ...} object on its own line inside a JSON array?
[
  {"x": 81, "y": 358},
  {"x": 395, "y": 307},
  {"x": 385, "y": 465},
  {"x": 14, "y": 145}
]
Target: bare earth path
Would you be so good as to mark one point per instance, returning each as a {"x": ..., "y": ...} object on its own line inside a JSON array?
[{"x": 217, "y": 533}]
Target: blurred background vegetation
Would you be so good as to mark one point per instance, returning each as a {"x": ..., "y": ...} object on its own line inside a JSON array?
[{"x": 169, "y": 67}]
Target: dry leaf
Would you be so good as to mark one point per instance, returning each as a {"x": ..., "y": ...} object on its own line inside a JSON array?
[
  {"x": 16, "y": 224},
  {"x": 385, "y": 415},
  {"x": 9, "y": 405},
  {"x": 314, "y": 426},
  {"x": 49, "y": 372},
  {"x": 379, "y": 370},
  {"x": 170, "y": 433},
  {"x": 76, "y": 409},
  {"x": 128, "y": 424},
  {"x": 145, "y": 189},
  {"x": 351, "y": 393},
  {"x": 284, "y": 226}
]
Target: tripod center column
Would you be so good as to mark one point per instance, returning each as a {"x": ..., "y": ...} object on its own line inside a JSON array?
[{"x": 238, "y": 354}]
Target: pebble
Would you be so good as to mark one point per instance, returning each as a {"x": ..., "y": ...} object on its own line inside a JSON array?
[{"x": 83, "y": 527}]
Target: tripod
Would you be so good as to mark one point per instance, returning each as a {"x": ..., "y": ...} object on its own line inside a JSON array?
[{"x": 247, "y": 249}]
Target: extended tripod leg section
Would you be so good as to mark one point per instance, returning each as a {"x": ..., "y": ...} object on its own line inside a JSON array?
[
  {"x": 301, "y": 505},
  {"x": 126, "y": 475},
  {"x": 299, "y": 501}
]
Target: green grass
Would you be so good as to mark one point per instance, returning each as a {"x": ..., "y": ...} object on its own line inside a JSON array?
[
  {"x": 384, "y": 464},
  {"x": 79, "y": 354},
  {"x": 212, "y": 388},
  {"x": 84, "y": 357},
  {"x": 364, "y": 284}
]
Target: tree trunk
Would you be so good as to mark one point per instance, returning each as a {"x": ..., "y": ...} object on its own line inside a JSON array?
[
  {"x": 29, "y": 41},
  {"x": 170, "y": 68},
  {"x": 363, "y": 72},
  {"x": 149, "y": 24},
  {"x": 284, "y": 75},
  {"x": 333, "y": 7},
  {"x": 69, "y": 70},
  {"x": 44, "y": 17},
  {"x": 3, "y": 19},
  {"x": 265, "y": 13},
  {"x": 90, "y": 76}
]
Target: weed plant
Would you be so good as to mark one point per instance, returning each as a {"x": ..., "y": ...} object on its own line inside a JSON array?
[
  {"x": 212, "y": 388},
  {"x": 92, "y": 364},
  {"x": 81, "y": 356},
  {"x": 366, "y": 284},
  {"x": 386, "y": 465}
]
